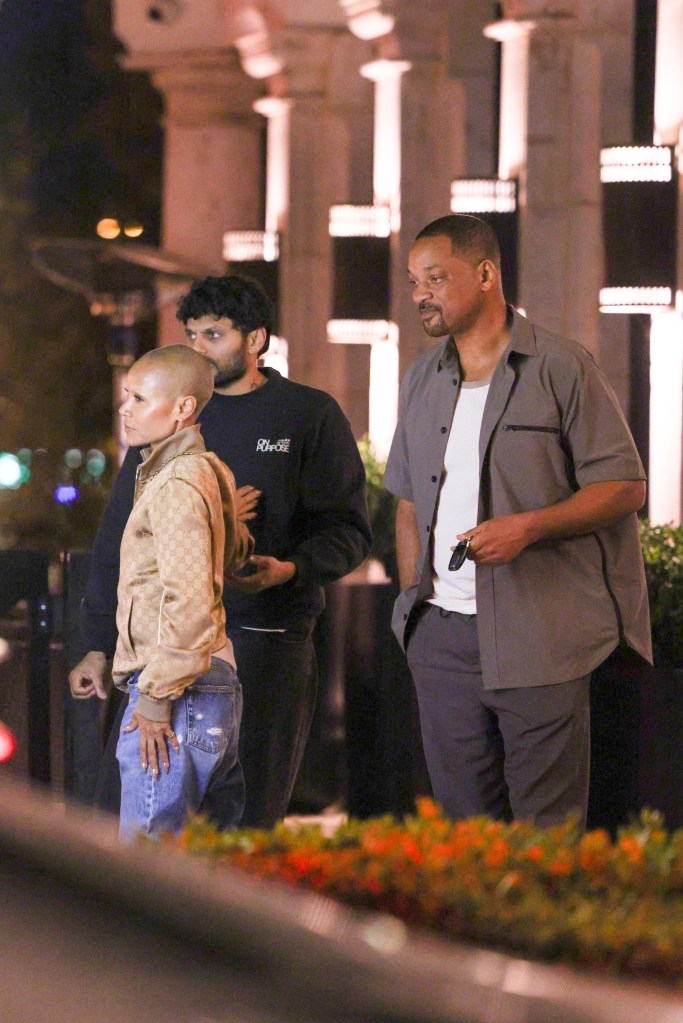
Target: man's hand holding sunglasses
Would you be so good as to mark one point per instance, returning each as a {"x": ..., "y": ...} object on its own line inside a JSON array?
[{"x": 493, "y": 542}]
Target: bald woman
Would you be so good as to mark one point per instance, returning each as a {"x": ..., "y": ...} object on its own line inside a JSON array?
[{"x": 177, "y": 748}]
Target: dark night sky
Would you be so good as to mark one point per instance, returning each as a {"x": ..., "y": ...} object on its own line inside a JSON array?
[{"x": 91, "y": 129}]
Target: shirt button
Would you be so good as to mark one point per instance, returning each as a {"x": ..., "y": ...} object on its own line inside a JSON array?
[
  {"x": 428, "y": 528},
  {"x": 443, "y": 429},
  {"x": 433, "y": 479},
  {"x": 405, "y": 618}
]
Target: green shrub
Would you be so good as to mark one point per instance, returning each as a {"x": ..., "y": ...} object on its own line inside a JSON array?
[
  {"x": 663, "y": 553},
  {"x": 381, "y": 504}
]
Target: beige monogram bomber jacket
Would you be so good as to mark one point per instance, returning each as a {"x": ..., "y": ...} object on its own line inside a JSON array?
[{"x": 182, "y": 535}]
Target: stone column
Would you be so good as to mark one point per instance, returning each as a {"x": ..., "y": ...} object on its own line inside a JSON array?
[
  {"x": 551, "y": 66},
  {"x": 213, "y": 165}
]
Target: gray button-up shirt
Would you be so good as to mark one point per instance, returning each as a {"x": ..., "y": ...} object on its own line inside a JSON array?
[{"x": 551, "y": 425}]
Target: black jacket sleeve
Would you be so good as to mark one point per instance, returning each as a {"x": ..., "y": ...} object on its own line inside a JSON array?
[
  {"x": 98, "y": 609},
  {"x": 333, "y": 495}
]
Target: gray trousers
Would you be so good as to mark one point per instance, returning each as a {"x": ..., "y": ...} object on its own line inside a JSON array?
[{"x": 522, "y": 753}]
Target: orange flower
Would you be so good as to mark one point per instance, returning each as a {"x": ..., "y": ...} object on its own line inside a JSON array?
[
  {"x": 595, "y": 850},
  {"x": 632, "y": 848},
  {"x": 427, "y": 808},
  {"x": 497, "y": 853}
]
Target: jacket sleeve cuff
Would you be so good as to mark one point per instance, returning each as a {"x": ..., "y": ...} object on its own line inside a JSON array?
[{"x": 155, "y": 710}]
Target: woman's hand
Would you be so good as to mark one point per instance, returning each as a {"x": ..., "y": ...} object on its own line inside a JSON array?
[{"x": 153, "y": 737}]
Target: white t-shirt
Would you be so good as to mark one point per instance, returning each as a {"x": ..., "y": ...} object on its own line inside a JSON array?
[{"x": 458, "y": 502}]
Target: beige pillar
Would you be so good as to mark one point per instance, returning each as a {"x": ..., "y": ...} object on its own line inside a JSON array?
[
  {"x": 213, "y": 174},
  {"x": 551, "y": 78}
]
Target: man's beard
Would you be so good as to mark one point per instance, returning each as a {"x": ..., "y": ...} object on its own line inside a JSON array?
[
  {"x": 234, "y": 370},
  {"x": 437, "y": 328}
]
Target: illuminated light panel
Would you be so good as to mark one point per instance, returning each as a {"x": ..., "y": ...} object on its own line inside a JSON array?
[
  {"x": 349, "y": 221},
  {"x": 359, "y": 332},
  {"x": 246, "y": 246},
  {"x": 634, "y": 300},
  {"x": 666, "y": 418},
  {"x": 483, "y": 195},
  {"x": 636, "y": 163}
]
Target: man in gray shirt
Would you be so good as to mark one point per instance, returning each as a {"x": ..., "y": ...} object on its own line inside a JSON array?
[{"x": 517, "y": 538}]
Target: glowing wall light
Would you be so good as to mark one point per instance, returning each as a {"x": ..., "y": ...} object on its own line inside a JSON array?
[
  {"x": 636, "y": 163},
  {"x": 358, "y": 332},
  {"x": 635, "y": 300},
  {"x": 360, "y": 253},
  {"x": 350, "y": 221},
  {"x": 483, "y": 195},
  {"x": 666, "y": 418},
  {"x": 247, "y": 246},
  {"x": 639, "y": 216}
]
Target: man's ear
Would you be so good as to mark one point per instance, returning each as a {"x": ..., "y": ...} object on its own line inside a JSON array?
[
  {"x": 187, "y": 406},
  {"x": 489, "y": 273},
  {"x": 256, "y": 340}
]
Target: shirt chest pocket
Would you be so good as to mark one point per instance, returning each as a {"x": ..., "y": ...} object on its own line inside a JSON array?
[
  {"x": 530, "y": 466},
  {"x": 529, "y": 428}
]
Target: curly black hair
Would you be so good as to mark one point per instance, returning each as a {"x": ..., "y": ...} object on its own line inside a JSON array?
[{"x": 237, "y": 298}]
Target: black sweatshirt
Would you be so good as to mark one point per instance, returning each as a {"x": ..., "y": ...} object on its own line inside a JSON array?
[{"x": 294, "y": 444}]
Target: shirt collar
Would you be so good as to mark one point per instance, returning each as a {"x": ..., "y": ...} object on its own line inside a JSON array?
[
  {"x": 187, "y": 441},
  {"x": 522, "y": 340}
]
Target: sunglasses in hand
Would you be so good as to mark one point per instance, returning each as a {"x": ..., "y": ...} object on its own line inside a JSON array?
[{"x": 459, "y": 554}]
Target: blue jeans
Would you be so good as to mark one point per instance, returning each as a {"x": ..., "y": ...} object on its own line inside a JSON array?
[{"x": 204, "y": 775}]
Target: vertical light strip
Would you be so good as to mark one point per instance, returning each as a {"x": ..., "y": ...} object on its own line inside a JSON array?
[
  {"x": 514, "y": 86},
  {"x": 666, "y": 418},
  {"x": 383, "y": 401},
  {"x": 277, "y": 112},
  {"x": 386, "y": 74},
  {"x": 668, "y": 72}
]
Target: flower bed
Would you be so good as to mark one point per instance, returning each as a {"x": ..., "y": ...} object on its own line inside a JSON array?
[{"x": 554, "y": 895}]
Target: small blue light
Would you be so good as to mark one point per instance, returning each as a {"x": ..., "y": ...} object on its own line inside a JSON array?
[{"x": 66, "y": 493}]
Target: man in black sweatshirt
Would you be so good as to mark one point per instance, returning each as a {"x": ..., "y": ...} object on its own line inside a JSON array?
[{"x": 301, "y": 485}]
